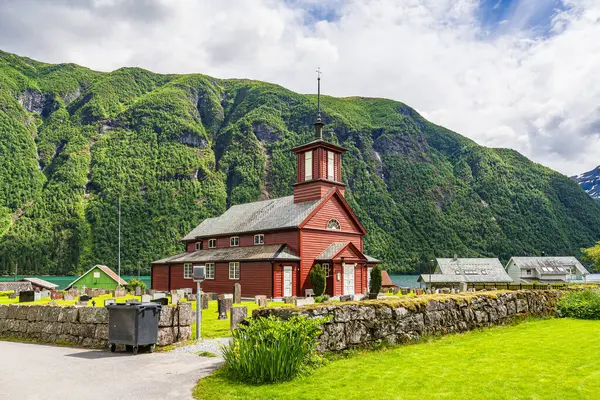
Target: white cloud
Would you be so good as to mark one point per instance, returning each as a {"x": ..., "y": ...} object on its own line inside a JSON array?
[{"x": 515, "y": 88}]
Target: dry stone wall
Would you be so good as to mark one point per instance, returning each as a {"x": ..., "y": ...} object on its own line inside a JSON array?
[
  {"x": 395, "y": 321},
  {"x": 84, "y": 326}
]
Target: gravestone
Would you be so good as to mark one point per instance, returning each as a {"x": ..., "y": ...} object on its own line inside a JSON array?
[
  {"x": 146, "y": 298},
  {"x": 288, "y": 300},
  {"x": 222, "y": 308},
  {"x": 162, "y": 301},
  {"x": 347, "y": 297},
  {"x": 188, "y": 291},
  {"x": 174, "y": 298},
  {"x": 13, "y": 295},
  {"x": 310, "y": 300},
  {"x": 158, "y": 295},
  {"x": 129, "y": 301},
  {"x": 109, "y": 302},
  {"x": 261, "y": 300},
  {"x": 26, "y": 296},
  {"x": 82, "y": 303},
  {"x": 44, "y": 294},
  {"x": 204, "y": 298},
  {"x": 138, "y": 290},
  {"x": 73, "y": 292},
  {"x": 238, "y": 314},
  {"x": 68, "y": 297},
  {"x": 228, "y": 300},
  {"x": 180, "y": 292},
  {"x": 120, "y": 292},
  {"x": 37, "y": 296},
  {"x": 237, "y": 293},
  {"x": 462, "y": 286}
]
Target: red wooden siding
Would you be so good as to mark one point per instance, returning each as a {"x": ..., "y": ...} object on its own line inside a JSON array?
[
  {"x": 289, "y": 237},
  {"x": 314, "y": 242},
  {"x": 255, "y": 279},
  {"x": 300, "y": 167},
  {"x": 333, "y": 208},
  {"x": 160, "y": 277},
  {"x": 312, "y": 190},
  {"x": 278, "y": 279}
]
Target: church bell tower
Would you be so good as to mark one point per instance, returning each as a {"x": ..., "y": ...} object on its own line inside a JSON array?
[{"x": 318, "y": 163}]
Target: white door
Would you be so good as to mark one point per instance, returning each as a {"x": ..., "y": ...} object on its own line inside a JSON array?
[
  {"x": 348, "y": 279},
  {"x": 369, "y": 279},
  {"x": 287, "y": 281}
]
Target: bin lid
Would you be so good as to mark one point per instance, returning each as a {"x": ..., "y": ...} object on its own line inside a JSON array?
[{"x": 137, "y": 305}]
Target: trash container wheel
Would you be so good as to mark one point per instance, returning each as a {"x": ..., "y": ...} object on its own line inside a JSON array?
[
  {"x": 135, "y": 350},
  {"x": 113, "y": 347}
]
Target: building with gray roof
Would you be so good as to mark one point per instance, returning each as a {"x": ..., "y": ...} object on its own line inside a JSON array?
[
  {"x": 450, "y": 272},
  {"x": 546, "y": 269}
]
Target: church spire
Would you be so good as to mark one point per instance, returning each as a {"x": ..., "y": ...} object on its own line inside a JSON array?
[{"x": 319, "y": 124}]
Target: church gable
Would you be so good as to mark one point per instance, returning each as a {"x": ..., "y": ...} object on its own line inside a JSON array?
[
  {"x": 334, "y": 208},
  {"x": 350, "y": 252}
]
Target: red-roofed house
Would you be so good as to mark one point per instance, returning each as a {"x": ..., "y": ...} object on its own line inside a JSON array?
[{"x": 270, "y": 246}]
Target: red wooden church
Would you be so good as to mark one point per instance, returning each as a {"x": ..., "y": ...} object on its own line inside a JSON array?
[{"x": 270, "y": 246}]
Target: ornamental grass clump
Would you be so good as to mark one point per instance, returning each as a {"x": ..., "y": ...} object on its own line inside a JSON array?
[
  {"x": 271, "y": 350},
  {"x": 584, "y": 304}
]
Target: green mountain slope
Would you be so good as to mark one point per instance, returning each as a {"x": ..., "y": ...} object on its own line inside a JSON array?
[{"x": 180, "y": 148}]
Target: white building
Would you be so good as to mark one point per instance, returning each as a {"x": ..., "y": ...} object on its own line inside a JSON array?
[{"x": 546, "y": 269}]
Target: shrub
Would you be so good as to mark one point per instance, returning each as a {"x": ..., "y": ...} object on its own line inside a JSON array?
[
  {"x": 271, "y": 350},
  {"x": 133, "y": 283},
  {"x": 583, "y": 304},
  {"x": 375, "y": 285},
  {"x": 318, "y": 279},
  {"x": 321, "y": 299}
]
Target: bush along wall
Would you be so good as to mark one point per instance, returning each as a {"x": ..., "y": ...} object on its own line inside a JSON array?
[
  {"x": 83, "y": 326},
  {"x": 395, "y": 321}
]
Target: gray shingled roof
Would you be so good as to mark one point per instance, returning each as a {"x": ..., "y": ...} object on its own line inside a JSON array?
[
  {"x": 17, "y": 287},
  {"x": 255, "y": 217},
  {"x": 331, "y": 251},
  {"x": 549, "y": 265},
  {"x": 40, "y": 282},
  {"x": 470, "y": 270},
  {"x": 276, "y": 252},
  {"x": 372, "y": 259}
]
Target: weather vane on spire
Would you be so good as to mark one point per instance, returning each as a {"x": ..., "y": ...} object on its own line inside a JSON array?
[
  {"x": 319, "y": 92},
  {"x": 319, "y": 124}
]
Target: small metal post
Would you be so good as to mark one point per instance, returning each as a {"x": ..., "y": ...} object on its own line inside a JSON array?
[{"x": 198, "y": 311}]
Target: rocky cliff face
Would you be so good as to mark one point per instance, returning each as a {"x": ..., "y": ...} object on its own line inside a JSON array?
[
  {"x": 177, "y": 149},
  {"x": 590, "y": 182}
]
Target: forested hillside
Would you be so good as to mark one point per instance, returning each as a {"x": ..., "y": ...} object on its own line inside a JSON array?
[{"x": 180, "y": 148}]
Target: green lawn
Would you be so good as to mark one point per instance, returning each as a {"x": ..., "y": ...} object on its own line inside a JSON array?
[
  {"x": 546, "y": 359},
  {"x": 215, "y": 328}
]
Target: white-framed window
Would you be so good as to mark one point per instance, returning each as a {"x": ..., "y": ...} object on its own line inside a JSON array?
[
  {"x": 330, "y": 166},
  {"x": 308, "y": 165},
  {"x": 234, "y": 270},
  {"x": 187, "y": 271},
  {"x": 528, "y": 272},
  {"x": 209, "y": 271},
  {"x": 234, "y": 241},
  {"x": 333, "y": 224},
  {"x": 326, "y": 268},
  {"x": 198, "y": 245},
  {"x": 259, "y": 239},
  {"x": 212, "y": 243}
]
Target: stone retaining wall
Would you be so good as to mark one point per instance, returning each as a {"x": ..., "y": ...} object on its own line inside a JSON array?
[
  {"x": 84, "y": 326},
  {"x": 403, "y": 320}
]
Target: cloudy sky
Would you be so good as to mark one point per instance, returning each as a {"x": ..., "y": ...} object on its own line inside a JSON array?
[{"x": 523, "y": 74}]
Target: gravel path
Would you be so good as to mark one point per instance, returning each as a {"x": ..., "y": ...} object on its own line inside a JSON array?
[
  {"x": 33, "y": 372},
  {"x": 210, "y": 345}
]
